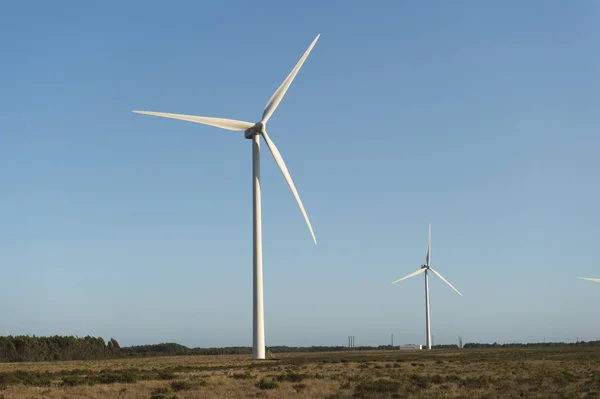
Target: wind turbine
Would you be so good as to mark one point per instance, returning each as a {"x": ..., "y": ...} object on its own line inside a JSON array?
[
  {"x": 590, "y": 279},
  {"x": 425, "y": 269},
  {"x": 253, "y": 131}
]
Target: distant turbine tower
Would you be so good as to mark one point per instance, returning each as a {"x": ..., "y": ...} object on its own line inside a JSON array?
[
  {"x": 591, "y": 279},
  {"x": 425, "y": 269},
  {"x": 253, "y": 131}
]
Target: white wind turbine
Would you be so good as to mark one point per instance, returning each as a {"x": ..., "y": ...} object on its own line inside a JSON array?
[
  {"x": 590, "y": 279},
  {"x": 425, "y": 269},
  {"x": 253, "y": 131}
]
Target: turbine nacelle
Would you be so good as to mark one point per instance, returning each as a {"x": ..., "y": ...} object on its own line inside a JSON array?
[{"x": 258, "y": 128}]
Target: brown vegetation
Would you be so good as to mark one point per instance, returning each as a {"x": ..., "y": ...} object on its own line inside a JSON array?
[{"x": 478, "y": 373}]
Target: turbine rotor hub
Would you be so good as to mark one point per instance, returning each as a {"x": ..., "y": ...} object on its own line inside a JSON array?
[{"x": 258, "y": 128}]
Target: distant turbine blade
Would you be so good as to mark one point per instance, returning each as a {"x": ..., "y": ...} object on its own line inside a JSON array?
[
  {"x": 278, "y": 95},
  {"x": 229, "y": 124},
  {"x": 590, "y": 279},
  {"x": 288, "y": 178},
  {"x": 428, "y": 256},
  {"x": 411, "y": 275},
  {"x": 445, "y": 281}
]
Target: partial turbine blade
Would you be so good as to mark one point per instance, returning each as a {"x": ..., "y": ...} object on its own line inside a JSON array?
[
  {"x": 411, "y": 275},
  {"x": 445, "y": 281},
  {"x": 229, "y": 124},
  {"x": 428, "y": 257},
  {"x": 288, "y": 178},
  {"x": 590, "y": 279},
  {"x": 278, "y": 95}
]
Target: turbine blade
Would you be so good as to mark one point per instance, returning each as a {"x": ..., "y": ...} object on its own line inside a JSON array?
[
  {"x": 229, "y": 124},
  {"x": 590, "y": 279},
  {"x": 445, "y": 281},
  {"x": 288, "y": 178},
  {"x": 278, "y": 95},
  {"x": 410, "y": 275},
  {"x": 428, "y": 257}
]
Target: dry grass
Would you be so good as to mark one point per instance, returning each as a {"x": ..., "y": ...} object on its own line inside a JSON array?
[{"x": 469, "y": 373}]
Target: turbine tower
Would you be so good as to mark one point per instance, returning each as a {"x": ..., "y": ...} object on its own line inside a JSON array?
[
  {"x": 590, "y": 279},
  {"x": 253, "y": 131},
  {"x": 426, "y": 268}
]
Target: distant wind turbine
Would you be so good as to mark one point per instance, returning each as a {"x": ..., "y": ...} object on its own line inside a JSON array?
[
  {"x": 253, "y": 131},
  {"x": 590, "y": 279},
  {"x": 425, "y": 269}
]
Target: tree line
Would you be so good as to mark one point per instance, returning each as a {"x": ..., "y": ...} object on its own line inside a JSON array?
[
  {"x": 35, "y": 349},
  {"x": 24, "y": 348},
  {"x": 531, "y": 344}
]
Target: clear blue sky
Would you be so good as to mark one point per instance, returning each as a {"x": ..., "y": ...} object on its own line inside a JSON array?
[{"x": 480, "y": 118}]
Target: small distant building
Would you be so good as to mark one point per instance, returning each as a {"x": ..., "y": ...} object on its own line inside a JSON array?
[{"x": 410, "y": 347}]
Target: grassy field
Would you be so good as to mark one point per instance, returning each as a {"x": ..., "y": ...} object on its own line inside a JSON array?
[{"x": 467, "y": 373}]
